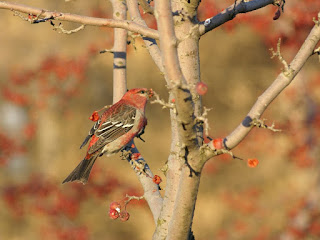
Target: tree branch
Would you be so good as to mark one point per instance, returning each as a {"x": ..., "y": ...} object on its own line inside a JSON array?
[
  {"x": 150, "y": 43},
  {"x": 119, "y": 52},
  {"x": 280, "y": 83},
  {"x": 151, "y": 190},
  {"x": 182, "y": 177},
  {"x": 85, "y": 20},
  {"x": 230, "y": 13}
]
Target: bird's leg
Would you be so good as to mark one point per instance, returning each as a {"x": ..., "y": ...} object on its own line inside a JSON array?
[{"x": 140, "y": 134}]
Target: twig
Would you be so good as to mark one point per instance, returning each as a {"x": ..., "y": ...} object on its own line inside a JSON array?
[
  {"x": 150, "y": 44},
  {"x": 203, "y": 118},
  {"x": 259, "y": 123},
  {"x": 317, "y": 22},
  {"x": 132, "y": 198},
  {"x": 279, "y": 84},
  {"x": 107, "y": 51},
  {"x": 287, "y": 70},
  {"x": 133, "y": 37},
  {"x": 85, "y": 20},
  {"x": 62, "y": 30},
  {"x": 18, "y": 14},
  {"x": 162, "y": 102}
]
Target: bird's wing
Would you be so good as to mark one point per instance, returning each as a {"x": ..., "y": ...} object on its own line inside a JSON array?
[
  {"x": 91, "y": 132},
  {"x": 113, "y": 125}
]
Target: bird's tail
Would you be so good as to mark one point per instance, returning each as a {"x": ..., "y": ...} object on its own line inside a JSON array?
[{"x": 82, "y": 171}]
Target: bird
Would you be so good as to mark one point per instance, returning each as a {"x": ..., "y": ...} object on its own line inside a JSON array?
[{"x": 116, "y": 127}]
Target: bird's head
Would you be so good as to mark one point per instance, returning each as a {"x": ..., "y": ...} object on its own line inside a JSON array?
[
  {"x": 138, "y": 96},
  {"x": 142, "y": 92}
]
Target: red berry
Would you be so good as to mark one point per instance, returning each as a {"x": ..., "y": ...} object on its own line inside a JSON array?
[
  {"x": 124, "y": 216},
  {"x": 252, "y": 162},
  {"x": 135, "y": 156},
  {"x": 157, "y": 179},
  {"x": 201, "y": 88},
  {"x": 217, "y": 143},
  {"x": 115, "y": 206},
  {"x": 113, "y": 214},
  {"x": 150, "y": 92},
  {"x": 94, "y": 117},
  {"x": 173, "y": 100}
]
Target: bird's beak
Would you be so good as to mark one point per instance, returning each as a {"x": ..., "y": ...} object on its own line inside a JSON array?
[{"x": 150, "y": 93}]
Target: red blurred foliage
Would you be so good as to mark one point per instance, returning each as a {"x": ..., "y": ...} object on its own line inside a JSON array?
[
  {"x": 29, "y": 131},
  {"x": 14, "y": 97},
  {"x": 242, "y": 201},
  {"x": 9, "y": 147},
  {"x": 57, "y": 231}
]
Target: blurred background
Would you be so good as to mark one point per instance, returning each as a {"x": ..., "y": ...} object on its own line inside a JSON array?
[{"x": 52, "y": 82}]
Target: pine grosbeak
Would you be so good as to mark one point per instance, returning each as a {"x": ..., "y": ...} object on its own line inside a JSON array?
[{"x": 117, "y": 126}]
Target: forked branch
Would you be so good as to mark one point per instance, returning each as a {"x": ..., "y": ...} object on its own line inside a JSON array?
[
  {"x": 85, "y": 20},
  {"x": 279, "y": 84},
  {"x": 230, "y": 13}
]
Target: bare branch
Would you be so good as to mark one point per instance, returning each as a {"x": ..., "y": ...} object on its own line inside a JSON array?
[
  {"x": 287, "y": 70},
  {"x": 119, "y": 51},
  {"x": 85, "y": 20},
  {"x": 259, "y": 123},
  {"x": 130, "y": 198},
  {"x": 145, "y": 176},
  {"x": 176, "y": 216},
  {"x": 280, "y": 83},
  {"x": 151, "y": 190},
  {"x": 62, "y": 30},
  {"x": 107, "y": 51},
  {"x": 230, "y": 13},
  {"x": 162, "y": 102},
  {"x": 151, "y": 44},
  {"x": 168, "y": 42}
]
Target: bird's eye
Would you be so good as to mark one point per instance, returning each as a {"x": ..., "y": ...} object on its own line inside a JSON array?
[{"x": 142, "y": 91}]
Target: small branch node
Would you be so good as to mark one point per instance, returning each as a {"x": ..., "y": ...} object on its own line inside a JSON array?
[
  {"x": 260, "y": 123},
  {"x": 133, "y": 37},
  {"x": 317, "y": 51},
  {"x": 280, "y": 4}
]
